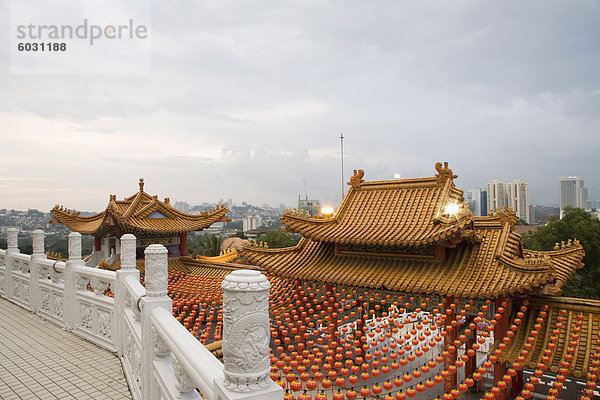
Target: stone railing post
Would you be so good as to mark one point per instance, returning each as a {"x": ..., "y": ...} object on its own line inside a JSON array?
[
  {"x": 11, "y": 248},
  {"x": 38, "y": 254},
  {"x": 156, "y": 278},
  {"x": 128, "y": 267},
  {"x": 69, "y": 304},
  {"x": 246, "y": 337}
]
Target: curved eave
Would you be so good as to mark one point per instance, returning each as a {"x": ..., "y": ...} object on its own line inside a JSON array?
[
  {"x": 87, "y": 225},
  {"x": 469, "y": 271},
  {"x": 586, "y": 312}
]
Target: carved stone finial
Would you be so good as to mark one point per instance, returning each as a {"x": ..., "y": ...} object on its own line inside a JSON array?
[
  {"x": 357, "y": 179},
  {"x": 444, "y": 173},
  {"x": 167, "y": 200},
  {"x": 246, "y": 333},
  {"x": 113, "y": 197},
  {"x": 141, "y": 184}
]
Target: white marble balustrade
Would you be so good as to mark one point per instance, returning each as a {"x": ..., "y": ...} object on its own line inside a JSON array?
[{"x": 161, "y": 359}]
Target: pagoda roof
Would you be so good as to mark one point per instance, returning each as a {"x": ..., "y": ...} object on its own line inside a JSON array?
[
  {"x": 392, "y": 212},
  {"x": 139, "y": 213},
  {"x": 485, "y": 259},
  {"x": 580, "y": 317}
]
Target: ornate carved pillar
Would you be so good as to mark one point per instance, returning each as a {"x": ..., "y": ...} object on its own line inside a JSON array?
[
  {"x": 246, "y": 337},
  {"x": 246, "y": 333},
  {"x": 128, "y": 267},
  {"x": 11, "y": 248},
  {"x": 69, "y": 304},
  {"x": 157, "y": 279},
  {"x": 38, "y": 254}
]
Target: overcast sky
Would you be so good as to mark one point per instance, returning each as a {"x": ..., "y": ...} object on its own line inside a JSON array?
[{"x": 246, "y": 100}]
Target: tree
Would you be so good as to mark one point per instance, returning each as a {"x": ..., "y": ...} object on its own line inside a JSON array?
[
  {"x": 239, "y": 234},
  {"x": 208, "y": 245},
  {"x": 576, "y": 223},
  {"x": 276, "y": 238}
]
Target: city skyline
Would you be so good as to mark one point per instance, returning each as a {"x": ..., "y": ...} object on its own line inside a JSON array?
[{"x": 248, "y": 102}]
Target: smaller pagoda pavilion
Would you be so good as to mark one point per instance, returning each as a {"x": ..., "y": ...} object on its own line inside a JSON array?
[{"x": 152, "y": 221}]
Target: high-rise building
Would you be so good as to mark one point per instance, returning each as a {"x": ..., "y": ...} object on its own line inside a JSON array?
[
  {"x": 517, "y": 197},
  {"x": 496, "y": 195},
  {"x": 250, "y": 222},
  {"x": 573, "y": 193},
  {"x": 182, "y": 206},
  {"x": 313, "y": 207},
  {"x": 513, "y": 194},
  {"x": 477, "y": 201}
]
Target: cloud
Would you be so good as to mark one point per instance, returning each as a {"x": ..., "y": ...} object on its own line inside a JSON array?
[{"x": 247, "y": 101}]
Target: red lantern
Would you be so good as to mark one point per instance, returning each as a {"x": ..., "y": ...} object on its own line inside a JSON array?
[{"x": 365, "y": 392}]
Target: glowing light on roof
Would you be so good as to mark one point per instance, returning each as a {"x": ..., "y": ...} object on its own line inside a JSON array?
[
  {"x": 451, "y": 209},
  {"x": 396, "y": 176},
  {"x": 327, "y": 211}
]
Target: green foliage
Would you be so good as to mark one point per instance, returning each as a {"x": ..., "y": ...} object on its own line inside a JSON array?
[
  {"x": 576, "y": 223},
  {"x": 521, "y": 222},
  {"x": 239, "y": 234},
  {"x": 276, "y": 238},
  {"x": 56, "y": 244},
  {"x": 207, "y": 245}
]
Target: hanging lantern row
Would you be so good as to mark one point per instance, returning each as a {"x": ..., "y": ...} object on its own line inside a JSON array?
[
  {"x": 565, "y": 363},
  {"x": 592, "y": 374},
  {"x": 529, "y": 387},
  {"x": 365, "y": 375}
]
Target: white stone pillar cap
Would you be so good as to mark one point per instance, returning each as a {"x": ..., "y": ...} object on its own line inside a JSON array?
[
  {"x": 156, "y": 249},
  {"x": 244, "y": 279}
]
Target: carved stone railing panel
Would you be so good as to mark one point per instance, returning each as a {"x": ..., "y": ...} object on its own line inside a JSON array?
[
  {"x": 132, "y": 354},
  {"x": 20, "y": 289},
  {"x": 183, "y": 383}
]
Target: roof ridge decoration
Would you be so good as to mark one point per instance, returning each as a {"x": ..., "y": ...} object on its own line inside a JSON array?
[
  {"x": 444, "y": 173},
  {"x": 357, "y": 179},
  {"x": 129, "y": 216},
  {"x": 506, "y": 215}
]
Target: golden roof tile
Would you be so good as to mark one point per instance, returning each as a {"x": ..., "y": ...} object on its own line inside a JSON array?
[
  {"x": 393, "y": 212},
  {"x": 574, "y": 313},
  {"x": 486, "y": 269},
  {"x": 134, "y": 215}
]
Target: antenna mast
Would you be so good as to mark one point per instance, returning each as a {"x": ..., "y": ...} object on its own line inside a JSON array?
[{"x": 342, "y": 154}]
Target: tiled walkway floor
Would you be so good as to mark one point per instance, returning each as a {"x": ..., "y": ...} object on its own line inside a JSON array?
[{"x": 39, "y": 360}]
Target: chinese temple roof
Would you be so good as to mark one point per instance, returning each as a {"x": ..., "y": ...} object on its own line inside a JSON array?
[
  {"x": 393, "y": 212},
  {"x": 570, "y": 326},
  {"x": 139, "y": 214},
  {"x": 393, "y": 245}
]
